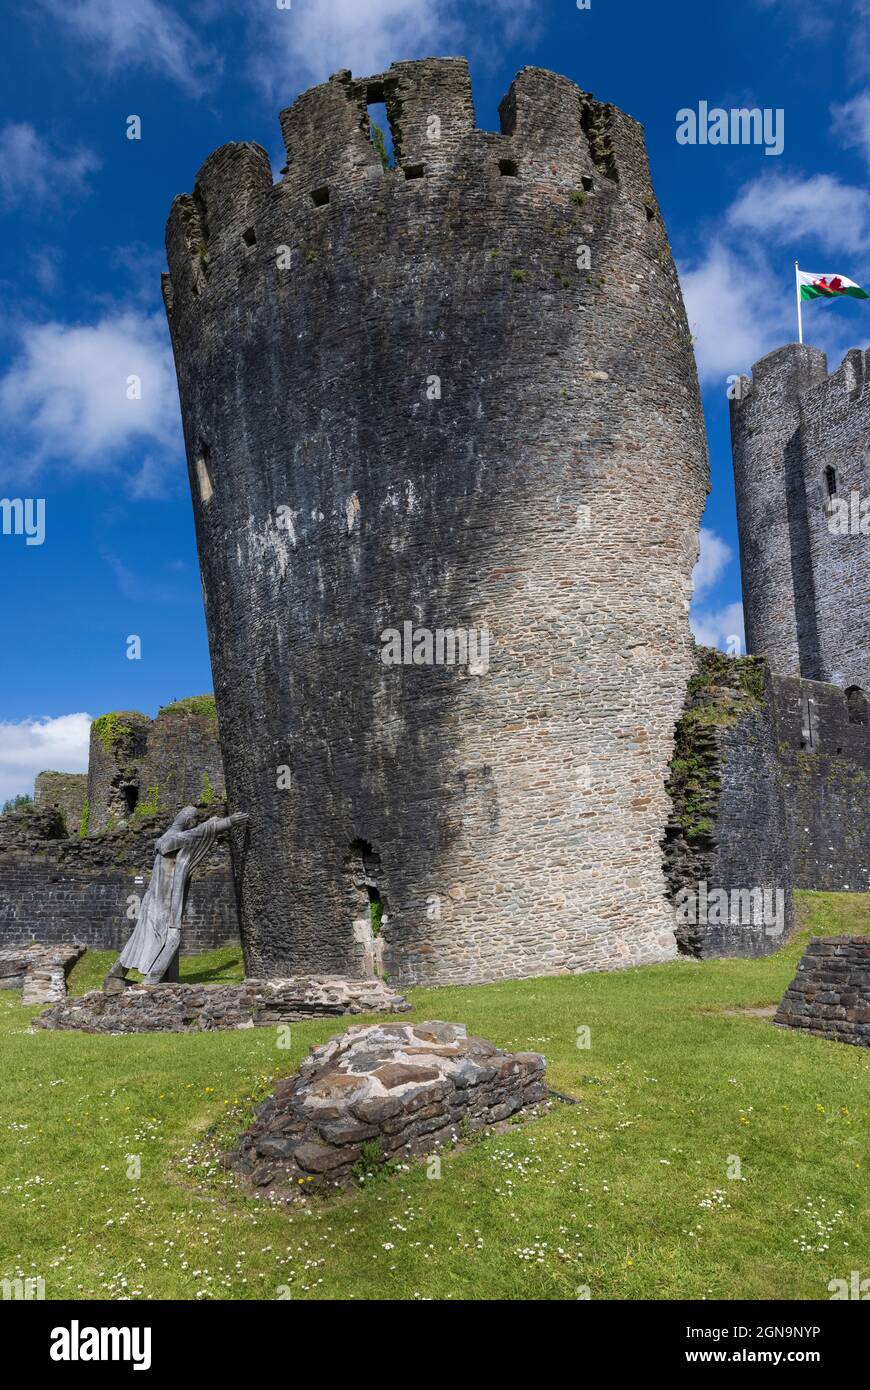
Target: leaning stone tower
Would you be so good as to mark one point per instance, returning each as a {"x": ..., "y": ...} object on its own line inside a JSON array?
[{"x": 452, "y": 398}]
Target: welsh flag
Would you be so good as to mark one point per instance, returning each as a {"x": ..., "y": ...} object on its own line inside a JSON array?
[{"x": 828, "y": 286}]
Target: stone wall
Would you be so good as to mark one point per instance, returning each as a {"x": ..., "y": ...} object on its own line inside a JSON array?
[
  {"x": 824, "y": 756},
  {"x": 55, "y": 888},
  {"x": 806, "y": 590},
  {"x": 66, "y": 792},
  {"x": 411, "y": 396},
  {"x": 39, "y": 971},
  {"x": 728, "y": 832},
  {"x": 388, "y": 1091},
  {"x": 139, "y": 764},
  {"x": 771, "y": 789},
  {"x": 185, "y": 1008},
  {"x": 830, "y": 994}
]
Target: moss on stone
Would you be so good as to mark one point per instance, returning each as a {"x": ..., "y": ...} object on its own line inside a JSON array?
[
  {"x": 202, "y": 705},
  {"x": 83, "y": 824},
  {"x": 723, "y": 690},
  {"x": 149, "y": 805},
  {"x": 111, "y": 730}
]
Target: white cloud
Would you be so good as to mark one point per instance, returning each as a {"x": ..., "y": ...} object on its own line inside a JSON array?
[
  {"x": 35, "y": 169},
  {"x": 41, "y": 745},
  {"x": 789, "y": 208},
  {"x": 712, "y": 626},
  {"x": 738, "y": 310},
  {"x": 298, "y": 47},
  {"x": 719, "y": 627},
  {"x": 852, "y": 123},
  {"x": 740, "y": 296},
  {"x": 66, "y": 394},
  {"x": 713, "y": 558},
  {"x": 121, "y": 35}
]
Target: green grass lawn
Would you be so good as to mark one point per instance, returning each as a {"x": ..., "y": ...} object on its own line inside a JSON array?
[{"x": 631, "y": 1193}]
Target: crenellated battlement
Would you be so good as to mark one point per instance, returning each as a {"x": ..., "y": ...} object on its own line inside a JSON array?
[{"x": 553, "y": 137}]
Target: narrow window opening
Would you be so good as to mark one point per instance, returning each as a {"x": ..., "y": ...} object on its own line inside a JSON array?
[
  {"x": 376, "y": 909},
  {"x": 650, "y": 212},
  {"x": 508, "y": 168},
  {"x": 131, "y": 799},
  {"x": 249, "y": 236},
  {"x": 831, "y": 481},
  {"x": 379, "y": 127},
  {"x": 203, "y": 477},
  {"x": 362, "y": 868},
  {"x": 320, "y": 197},
  {"x": 808, "y": 722},
  {"x": 414, "y": 171},
  {"x": 588, "y": 182},
  {"x": 857, "y": 705}
]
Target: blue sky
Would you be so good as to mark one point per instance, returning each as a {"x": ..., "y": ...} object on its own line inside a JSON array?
[{"x": 83, "y": 211}]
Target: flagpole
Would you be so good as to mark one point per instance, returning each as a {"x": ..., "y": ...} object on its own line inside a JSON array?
[{"x": 797, "y": 285}]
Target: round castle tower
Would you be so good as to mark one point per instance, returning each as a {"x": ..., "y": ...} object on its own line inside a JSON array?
[
  {"x": 799, "y": 445},
  {"x": 454, "y": 400}
]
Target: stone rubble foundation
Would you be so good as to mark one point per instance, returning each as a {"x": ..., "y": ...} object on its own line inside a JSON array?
[
  {"x": 830, "y": 994},
  {"x": 401, "y": 1089},
  {"x": 40, "y": 972},
  {"x": 184, "y": 1008}
]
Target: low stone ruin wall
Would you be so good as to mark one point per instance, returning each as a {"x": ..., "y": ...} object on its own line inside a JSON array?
[
  {"x": 830, "y": 994},
  {"x": 40, "y": 972},
  {"x": 407, "y": 1088},
  {"x": 184, "y": 1008},
  {"x": 56, "y": 887}
]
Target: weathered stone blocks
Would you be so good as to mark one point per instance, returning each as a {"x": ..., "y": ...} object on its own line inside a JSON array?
[
  {"x": 181, "y": 1008},
  {"x": 66, "y": 792},
  {"x": 39, "y": 971},
  {"x": 403, "y": 1088},
  {"x": 799, "y": 445},
  {"x": 459, "y": 393},
  {"x": 770, "y": 784},
  {"x": 55, "y": 886},
  {"x": 830, "y": 994}
]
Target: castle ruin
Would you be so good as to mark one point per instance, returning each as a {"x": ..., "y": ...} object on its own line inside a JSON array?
[
  {"x": 771, "y": 778},
  {"x": 454, "y": 396}
]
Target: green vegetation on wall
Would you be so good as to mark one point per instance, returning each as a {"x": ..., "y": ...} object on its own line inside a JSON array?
[
  {"x": 111, "y": 730},
  {"x": 149, "y": 805},
  {"x": 202, "y": 705},
  {"x": 723, "y": 690}
]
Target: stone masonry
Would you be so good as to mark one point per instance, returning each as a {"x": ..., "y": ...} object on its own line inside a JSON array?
[
  {"x": 770, "y": 784},
  {"x": 55, "y": 887},
  {"x": 39, "y": 971},
  {"x": 402, "y": 1089},
  {"x": 184, "y": 1008},
  {"x": 799, "y": 440},
  {"x": 65, "y": 792},
  {"x": 141, "y": 764},
  {"x": 729, "y": 830},
  {"x": 830, "y": 995},
  {"x": 457, "y": 394}
]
